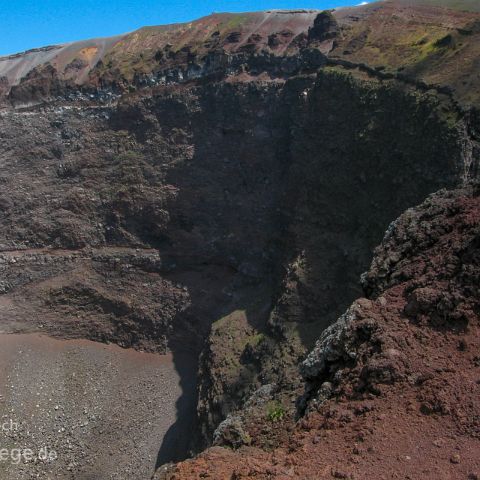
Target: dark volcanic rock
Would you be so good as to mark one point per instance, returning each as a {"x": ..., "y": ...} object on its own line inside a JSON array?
[{"x": 325, "y": 27}]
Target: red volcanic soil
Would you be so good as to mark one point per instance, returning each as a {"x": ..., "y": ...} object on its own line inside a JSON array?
[{"x": 427, "y": 430}]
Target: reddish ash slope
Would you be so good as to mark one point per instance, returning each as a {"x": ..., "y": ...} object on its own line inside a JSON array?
[
  {"x": 419, "y": 40},
  {"x": 74, "y": 61},
  {"x": 393, "y": 387}
]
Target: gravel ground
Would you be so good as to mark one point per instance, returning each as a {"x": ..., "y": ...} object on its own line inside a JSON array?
[{"x": 85, "y": 410}]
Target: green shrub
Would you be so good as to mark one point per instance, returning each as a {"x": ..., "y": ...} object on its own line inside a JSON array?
[{"x": 275, "y": 412}]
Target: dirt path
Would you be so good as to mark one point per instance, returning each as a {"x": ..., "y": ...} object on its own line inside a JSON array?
[
  {"x": 83, "y": 252},
  {"x": 103, "y": 410}
]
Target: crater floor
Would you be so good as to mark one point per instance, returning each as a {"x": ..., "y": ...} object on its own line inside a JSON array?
[{"x": 88, "y": 410}]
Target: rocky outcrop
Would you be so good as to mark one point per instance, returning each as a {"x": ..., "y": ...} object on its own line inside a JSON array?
[
  {"x": 397, "y": 364},
  {"x": 325, "y": 27}
]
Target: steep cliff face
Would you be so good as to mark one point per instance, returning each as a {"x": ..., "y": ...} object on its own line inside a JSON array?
[
  {"x": 329, "y": 222},
  {"x": 219, "y": 187}
]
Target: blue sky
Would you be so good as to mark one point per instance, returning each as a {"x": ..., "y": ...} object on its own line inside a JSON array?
[{"x": 26, "y": 24}]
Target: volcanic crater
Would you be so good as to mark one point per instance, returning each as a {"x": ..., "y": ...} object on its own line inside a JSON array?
[{"x": 187, "y": 214}]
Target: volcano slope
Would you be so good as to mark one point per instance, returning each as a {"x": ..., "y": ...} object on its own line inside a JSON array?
[{"x": 217, "y": 188}]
